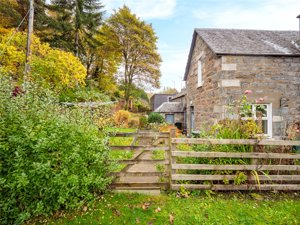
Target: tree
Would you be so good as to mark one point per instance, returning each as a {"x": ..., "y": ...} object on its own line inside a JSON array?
[
  {"x": 104, "y": 62},
  {"x": 13, "y": 11},
  {"x": 136, "y": 40},
  {"x": 169, "y": 90},
  {"x": 74, "y": 24}
]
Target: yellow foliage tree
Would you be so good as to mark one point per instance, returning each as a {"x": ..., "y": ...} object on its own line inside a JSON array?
[{"x": 50, "y": 68}]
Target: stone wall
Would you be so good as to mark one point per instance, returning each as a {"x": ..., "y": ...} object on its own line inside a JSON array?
[
  {"x": 206, "y": 97},
  {"x": 227, "y": 77}
]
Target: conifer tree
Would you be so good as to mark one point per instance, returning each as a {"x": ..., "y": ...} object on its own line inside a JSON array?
[
  {"x": 75, "y": 24},
  {"x": 13, "y": 11}
]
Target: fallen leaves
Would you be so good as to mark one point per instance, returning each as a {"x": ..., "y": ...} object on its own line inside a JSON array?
[
  {"x": 157, "y": 210},
  {"x": 171, "y": 218},
  {"x": 116, "y": 212},
  {"x": 145, "y": 205}
]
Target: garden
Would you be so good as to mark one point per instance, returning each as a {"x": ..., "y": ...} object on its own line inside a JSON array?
[
  {"x": 56, "y": 168},
  {"x": 69, "y": 88}
]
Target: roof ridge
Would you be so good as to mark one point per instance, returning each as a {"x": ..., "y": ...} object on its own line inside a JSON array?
[{"x": 238, "y": 29}]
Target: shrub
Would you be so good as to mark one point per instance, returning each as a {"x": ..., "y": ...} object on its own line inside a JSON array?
[
  {"x": 133, "y": 123},
  {"x": 83, "y": 94},
  {"x": 50, "y": 68},
  {"x": 155, "y": 117},
  {"x": 143, "y": 121},
  {"x": 51, "y": 157},
  {"x": 168, "y": 127},
  {"x": 121, "y": 118}
]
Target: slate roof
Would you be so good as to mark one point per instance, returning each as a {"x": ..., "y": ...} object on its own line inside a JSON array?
[
  {"x": 181, "y": 94},
  {"x": 247, "y": 42},
  {"x": 250, "y": 42},
  {"x": 170, "y": 107}
]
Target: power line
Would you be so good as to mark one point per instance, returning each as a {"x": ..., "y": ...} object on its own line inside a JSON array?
[{"x": 14, "y": 33}]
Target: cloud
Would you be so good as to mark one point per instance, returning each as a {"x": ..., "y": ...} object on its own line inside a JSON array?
[
  {"x": 263, "y": 14},
  {"x": 173, "y": 66},
  {"x": 146, "y": 9}
]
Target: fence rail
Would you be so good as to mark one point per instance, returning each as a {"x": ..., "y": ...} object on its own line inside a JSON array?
[
  {"x": 234, "y": 141},
  {"x": 260, "y": 170}
]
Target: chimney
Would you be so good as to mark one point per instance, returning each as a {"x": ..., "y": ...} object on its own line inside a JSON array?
[
  {"x": 296, "y": 43},
  {"x": 298, "y": 17}
]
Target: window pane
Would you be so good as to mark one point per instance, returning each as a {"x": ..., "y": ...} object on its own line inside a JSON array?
[
  {"x": 265, "y": 126},
  {"x": 170, "y": 118},
  {"x": 261, "y": 110}
]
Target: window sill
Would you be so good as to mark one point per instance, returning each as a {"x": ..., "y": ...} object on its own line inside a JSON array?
[{"x": 200, "y": 85}]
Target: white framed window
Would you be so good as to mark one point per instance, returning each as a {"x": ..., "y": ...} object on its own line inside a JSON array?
[
  {"x": 200, "y": 81},
  {"x": 265, "y": 111}
]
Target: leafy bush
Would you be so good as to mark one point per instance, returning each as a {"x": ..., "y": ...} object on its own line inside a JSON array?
[
  {"x": 83, "y": 94},
  {"x": 155, "y": 117},
  {"x": 168, "y": 127},
  {"x": 142, "y": 106},
  {"x": 121, "y": 118},
  {"x": 133, "y": 122},
  {"x": 143, "y": 121},
  {"x": 51, "y": 157},
  {"x": 50, "y": 68}
]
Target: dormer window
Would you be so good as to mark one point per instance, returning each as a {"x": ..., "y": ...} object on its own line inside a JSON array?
[{"x": 200, "y": 81}]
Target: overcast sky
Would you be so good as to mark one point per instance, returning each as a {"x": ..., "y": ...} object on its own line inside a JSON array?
[{"x": 175, "y": 20}]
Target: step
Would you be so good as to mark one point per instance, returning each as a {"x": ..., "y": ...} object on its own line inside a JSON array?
[
  {"x": 138, "y": 188},
  {"x": 145, "y": 192},
  {"x": 139, "y": 184},
  {"x": 135, "y": 179}
]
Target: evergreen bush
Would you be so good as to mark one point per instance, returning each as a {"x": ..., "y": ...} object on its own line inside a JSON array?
[{"x": 155, "y": 117}]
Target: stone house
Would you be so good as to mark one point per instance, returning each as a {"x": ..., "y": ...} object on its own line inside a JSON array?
[
  {"x": 224, "y": 63},
  {"x": 157, "y": 99},
  {"x": 173, "y": 113}
]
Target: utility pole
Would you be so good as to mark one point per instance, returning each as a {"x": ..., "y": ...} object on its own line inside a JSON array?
[{"x": 28, "y": 47}]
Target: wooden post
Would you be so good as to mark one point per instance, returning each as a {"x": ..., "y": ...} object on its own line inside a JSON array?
[
  {"x": 28, "y": 47},
  {"x": 253, "y": 161},
  {"x": 172, "y": 160}
]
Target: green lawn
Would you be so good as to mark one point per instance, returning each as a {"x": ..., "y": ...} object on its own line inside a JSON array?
[
  {"x": 121, "y": 141},
  {"x": 169, "y": 209},
  {"x": 119, "y": 129}
]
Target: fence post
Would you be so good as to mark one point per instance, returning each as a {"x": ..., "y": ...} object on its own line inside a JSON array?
[{"x": 172, "y": 159}]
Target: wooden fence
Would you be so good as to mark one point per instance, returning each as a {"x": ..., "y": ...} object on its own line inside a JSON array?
[
  {"x": 256, "y": 170},
  {"x": 264, "y": 171}
]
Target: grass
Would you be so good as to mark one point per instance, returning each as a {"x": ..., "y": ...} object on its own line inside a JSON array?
[
  {"x": 121, "y": 129},
  {"x": 158, "y": 154},
  {"x": 169, "y": 209},
  {"x": 121, "y": 141}
]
